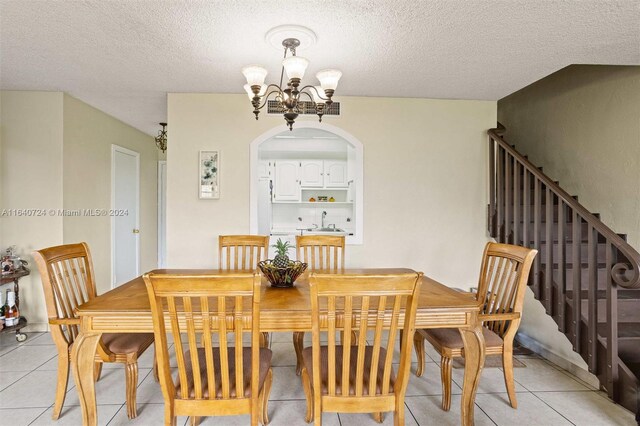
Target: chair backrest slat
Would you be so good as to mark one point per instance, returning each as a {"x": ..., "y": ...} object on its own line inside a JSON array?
[
  {"x": 362, "y": 303},
  {"x": 377, "y": 344},
  {"x": 242, "y": 252},
  {"x": 321, "y": 252},
  {"x": 503, "y": 275},
  {"x": 331, "y": 337},
  {"x": 207, "y": 344},
  {"x": 194, "y": 308}
]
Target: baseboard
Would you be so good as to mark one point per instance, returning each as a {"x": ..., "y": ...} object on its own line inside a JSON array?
[{"x": 560, "y": 361}]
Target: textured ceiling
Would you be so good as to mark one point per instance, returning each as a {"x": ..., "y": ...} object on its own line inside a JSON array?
[{"x": 124, "y": 56}]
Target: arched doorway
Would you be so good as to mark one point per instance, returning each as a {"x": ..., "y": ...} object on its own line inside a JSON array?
[{"x": 313, "y": 144}]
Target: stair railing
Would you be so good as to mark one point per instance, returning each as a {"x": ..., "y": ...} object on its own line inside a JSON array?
[{"x": 518, "y": 215}]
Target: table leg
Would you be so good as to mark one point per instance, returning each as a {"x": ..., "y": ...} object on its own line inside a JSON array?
[
  {"x": 474, "y": 353},
  {"x": 82, "y": 364}
]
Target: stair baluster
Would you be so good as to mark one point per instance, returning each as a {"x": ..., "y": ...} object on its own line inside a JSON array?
[
  {"x": 593, "y": 301},
  {"x": 576, "y": 280},
  {"x": 612, "y": 323}
]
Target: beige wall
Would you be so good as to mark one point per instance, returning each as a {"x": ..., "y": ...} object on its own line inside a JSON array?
[
  {"x": 583, "y": 125},
  {"x": 425, "y": 191},
  {"x": 32, "y": 145},
  {"x": 56, "y": 154},
  {"x": 88, "y": 136}
]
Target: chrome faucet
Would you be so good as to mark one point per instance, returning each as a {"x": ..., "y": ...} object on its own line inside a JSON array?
[{"x": 324, "y": 214}]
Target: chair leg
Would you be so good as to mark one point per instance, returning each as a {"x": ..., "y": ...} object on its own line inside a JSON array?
[
  {"x": 61, "y": 386},
  {"x": 264, "y": 398},
  {"x": 298, "y": 342},
  {"x": 131, "y": 379},
  {"x": 398, "y": 415},
  {"x": 97, "y": 371},
  {"x": 169, "y": 418},
  {"x": 418, "y": 344},
  {"x": 264, "y": 340},
  {"x": 378, "y": 417},
  {"x": 445, "y": 371},
  {"x": 308, "y": 394},
  {"x": 317, "y": 410},
  {"x": 194, "y": 420},
  {"x": 507, "y": 366},
  {"x": 156, "y": 376}
]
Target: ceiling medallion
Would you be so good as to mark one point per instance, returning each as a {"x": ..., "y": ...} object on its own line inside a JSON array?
[{"x": 289, "y": 96}]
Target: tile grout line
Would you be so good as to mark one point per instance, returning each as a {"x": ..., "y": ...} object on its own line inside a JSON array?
[
  {"x": 411, "y": 412},
  {"x": 485, "y": 413},
  {"x": 114, "y": 414},
  {"x": 17, "y": 380},
  {"x": 559, "y": 413},
  {"x": 40, "y": 415}
]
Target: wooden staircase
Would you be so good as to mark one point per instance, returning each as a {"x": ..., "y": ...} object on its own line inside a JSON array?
[{"x": 586, "y": 276}]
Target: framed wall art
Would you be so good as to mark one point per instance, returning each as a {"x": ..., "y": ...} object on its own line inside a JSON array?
[{"x": 209, "y": 175}]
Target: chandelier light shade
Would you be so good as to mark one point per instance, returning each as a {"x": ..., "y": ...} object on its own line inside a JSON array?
[
  {"x": 255, "y": 75},
  {"x": 295, "y": 66},
  {"x": 161, "y": 139},
  {"x": 290, "y": 96},
  {"x": 329, "y": 79}
]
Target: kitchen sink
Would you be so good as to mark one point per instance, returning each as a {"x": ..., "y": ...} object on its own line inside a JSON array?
[{"x": 322, "y": 231}]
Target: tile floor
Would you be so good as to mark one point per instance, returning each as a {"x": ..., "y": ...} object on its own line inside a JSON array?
[{"x": 547, "y": 395}]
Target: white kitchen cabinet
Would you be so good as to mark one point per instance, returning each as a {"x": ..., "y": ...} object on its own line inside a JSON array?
[
  {"x": 335, "y": 174},
  {"x": 311, "y": 173},
  {"x": 287, "y": 186}
]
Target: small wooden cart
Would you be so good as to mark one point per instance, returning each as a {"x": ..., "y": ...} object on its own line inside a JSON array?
[{"x": 15, "y": 277}]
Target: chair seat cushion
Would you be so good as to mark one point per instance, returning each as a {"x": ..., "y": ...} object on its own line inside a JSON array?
[
  {"x": 125, "y": 343},
  {"x": 450, "y": 337},
  {"x": 264, "y": 365},
  {"x": 307, "y": 357}
]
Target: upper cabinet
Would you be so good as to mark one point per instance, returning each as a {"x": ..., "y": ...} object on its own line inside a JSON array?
[
  {"x": 311, "y": 174},
  {"x": 287, "y": 186},
  {"x": 293, "y": 175},
  {"x": 335, "y": 174}
]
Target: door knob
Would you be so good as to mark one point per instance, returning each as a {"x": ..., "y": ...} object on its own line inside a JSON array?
[{"x": 136, "y": 231}]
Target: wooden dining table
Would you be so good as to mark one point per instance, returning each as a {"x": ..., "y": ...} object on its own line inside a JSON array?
[{"x": 125, "y": 309}]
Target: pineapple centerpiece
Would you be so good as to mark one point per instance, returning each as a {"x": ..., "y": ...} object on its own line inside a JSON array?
[
  {"x": 282, "y": 271},
  {"x": 282, "y": 258}
]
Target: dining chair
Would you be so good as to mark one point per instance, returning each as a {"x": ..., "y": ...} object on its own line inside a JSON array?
[
  {"x": 320, "y": 253},
  {"x": 197, "y": 311},
  {"x": 242, "y": 253},
  {"x": 501, "y": 289},
  {"x": 360, "y": 378},
  {"x": 68, "y": 281}
]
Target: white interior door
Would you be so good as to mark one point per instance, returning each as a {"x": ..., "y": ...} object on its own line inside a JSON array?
[
  {"x": 162, "y": 214},
  {"x": 125, "y": 204}
]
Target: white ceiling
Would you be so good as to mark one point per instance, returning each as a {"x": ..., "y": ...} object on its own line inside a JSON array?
[{"x": 124, "y": 56}]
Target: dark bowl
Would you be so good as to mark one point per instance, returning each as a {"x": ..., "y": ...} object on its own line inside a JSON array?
[{"x": 282, "y": 277}]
